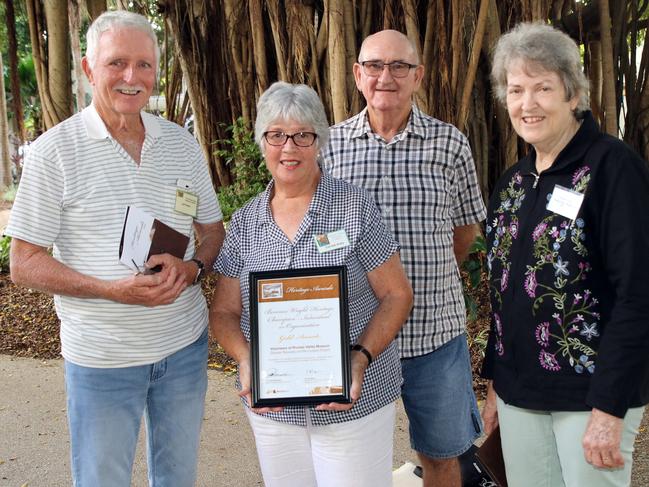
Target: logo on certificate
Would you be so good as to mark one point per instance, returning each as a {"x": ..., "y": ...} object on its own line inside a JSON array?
[{"x": 273, "y": 290}]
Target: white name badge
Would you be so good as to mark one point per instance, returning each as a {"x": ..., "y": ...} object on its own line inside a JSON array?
[
  {"x": 565, "y": 202},
  {"x": 326, "y": 242},
  {"x": 186, "y": 202}
]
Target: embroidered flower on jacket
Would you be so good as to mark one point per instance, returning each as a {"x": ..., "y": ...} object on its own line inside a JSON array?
[
  {"x": 499, "y": 325},
  {"x": 513, "y": 229},
  {"x": 589, "y": 331},
  {"x": 548, "y": 361},
  {"x": 584, "y": 363},
  {"x": 530, "y": 285},
  {"x": 567, "y": 341},
  {"x": 500, "y": 350},
  {"x": 561, "y": 267},
  {"x": 543, "y": 334},
  {"x": 579, "y": 173},
  {"x": 538, "y": 231}
]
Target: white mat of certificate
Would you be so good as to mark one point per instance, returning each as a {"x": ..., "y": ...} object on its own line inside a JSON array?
[{"x": 299, "y": 337}]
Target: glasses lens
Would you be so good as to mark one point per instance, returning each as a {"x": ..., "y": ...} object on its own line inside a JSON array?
[
  {"x": 373, "y": 68},
  {"x": 399, "y": 70},
  {"x": 304, "y": 139},
  {"x": 276, "y": 138}
]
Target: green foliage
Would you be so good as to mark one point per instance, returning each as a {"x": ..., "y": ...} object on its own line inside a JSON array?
[
  {"x": 242, "y": 155},
  {"x": 473, "y": 266},
  {"x": 479, "y": 340},
  {"x": 5, "y": 242},
  {"x": 9, "y": 193}
]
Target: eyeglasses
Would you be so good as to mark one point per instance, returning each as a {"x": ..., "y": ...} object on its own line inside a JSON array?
[
  {"x": 301, "y": 139},
  {"x": 398, "y": 69}
]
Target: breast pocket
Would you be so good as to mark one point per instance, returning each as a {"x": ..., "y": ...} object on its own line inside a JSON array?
[{"x": 180, "y": 222}]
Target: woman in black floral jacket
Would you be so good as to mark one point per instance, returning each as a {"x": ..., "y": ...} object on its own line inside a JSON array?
[{"x": 568, "y": 250}]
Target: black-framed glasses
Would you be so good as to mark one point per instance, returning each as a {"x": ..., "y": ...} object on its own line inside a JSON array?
[
  {"x": 301, "y": 139},
  {"x": 398, "y": 69}
]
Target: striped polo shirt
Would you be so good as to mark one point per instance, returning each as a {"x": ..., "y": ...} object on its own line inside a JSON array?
[{"x": 76, "y": 184}]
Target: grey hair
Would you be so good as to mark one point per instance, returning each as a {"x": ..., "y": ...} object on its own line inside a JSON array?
[
  {"x": 413, "y": 50},
  {"x": 117, "y": 19},
  {"x": 541, "y": 46},
  {"x": 291, "y": 103}
]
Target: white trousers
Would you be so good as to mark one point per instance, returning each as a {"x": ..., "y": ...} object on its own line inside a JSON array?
[
  {"x": 351, "y": 454},
  {"x": 543, "y": 448}
]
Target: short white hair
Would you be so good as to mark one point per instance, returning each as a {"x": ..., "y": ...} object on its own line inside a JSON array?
[
  {"x": 118, "y": 19},
  {"x": 286, "y": 102},
  {"x": 541, "y": 46}
]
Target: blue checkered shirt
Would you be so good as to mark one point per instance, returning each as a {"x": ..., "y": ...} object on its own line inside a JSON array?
[
  {"x": 255, "y": 243},
  {"x": 424, "y": 182}
]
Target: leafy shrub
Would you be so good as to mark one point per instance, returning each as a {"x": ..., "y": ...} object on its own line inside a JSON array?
[
  {"x": 473, "y": 268},
  {"x": 5, "y": 242},
  {"x": 242, "y": 155},
  {"x": 476, "y": 297},
  {"x": 9, "y": 194}
]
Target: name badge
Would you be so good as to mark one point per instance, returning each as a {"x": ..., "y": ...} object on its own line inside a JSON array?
[
  {"x": 186, "y": 202},
  {"x": 326, "y": 242},
  {"x": 565, "y": 202}
]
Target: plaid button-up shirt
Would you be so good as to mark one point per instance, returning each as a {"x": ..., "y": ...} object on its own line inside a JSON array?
[
  {"x": 424, "y": 182},
  {"x": 255, "y": 243}
]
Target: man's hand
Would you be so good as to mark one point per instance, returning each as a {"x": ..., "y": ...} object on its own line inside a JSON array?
[
  {"x": 601, "y": 441},
  {"x": 489, "y": 411},
  {"x": 163, "y": 287}
]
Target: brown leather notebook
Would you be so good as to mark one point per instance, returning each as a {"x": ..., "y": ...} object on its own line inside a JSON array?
[
  {"x": 166, "y": 240},
  {"x": 490, "y": 455}
]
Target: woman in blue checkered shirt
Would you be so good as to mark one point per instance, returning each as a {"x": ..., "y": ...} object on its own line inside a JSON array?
[{"x": 290, "y": 226}]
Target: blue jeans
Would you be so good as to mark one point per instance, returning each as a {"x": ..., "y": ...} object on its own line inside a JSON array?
[
  {"x": 105, "y": 407},
  {"x": 437, "y": 394}
]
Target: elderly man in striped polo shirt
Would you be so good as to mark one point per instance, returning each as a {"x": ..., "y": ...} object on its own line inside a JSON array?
[
  {"x": 132, "y": 343},
  {"x": 422, "y": 176}
]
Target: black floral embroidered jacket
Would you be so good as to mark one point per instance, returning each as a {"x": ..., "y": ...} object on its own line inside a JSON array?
[{"x": 570, "y": 297}]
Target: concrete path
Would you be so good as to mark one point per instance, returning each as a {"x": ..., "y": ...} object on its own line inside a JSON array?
[{"x": 34, "y": 444}]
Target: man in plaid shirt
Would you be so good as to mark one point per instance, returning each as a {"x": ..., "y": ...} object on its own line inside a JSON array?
[{"x": 422, "y": 176}]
